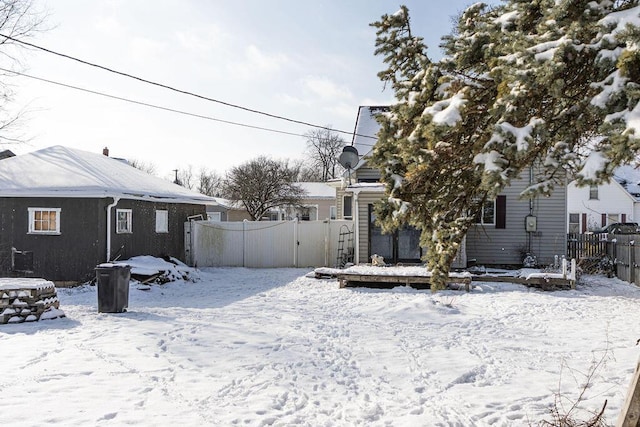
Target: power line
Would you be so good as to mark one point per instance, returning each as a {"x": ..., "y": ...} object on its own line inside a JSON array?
[
  {"x": 184, "y": 92},
  {"x": 146, "y": 104}
]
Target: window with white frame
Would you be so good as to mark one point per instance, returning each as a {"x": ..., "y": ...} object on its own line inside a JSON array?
[
  {"x": 162, "y": 221},
  {"x": 332, "y": 212},
  {"x": 612, "y": 218},
  {"x": 488, "y": 214},
  {"x": 214, "y": 216},
  {"x": 347, "y": 208},
  {"x": 574, "y": 223},
  {"x": 44, "y": 220},
  {"x": 123, "y": 221},
  {"x": 593, "y": 192}
]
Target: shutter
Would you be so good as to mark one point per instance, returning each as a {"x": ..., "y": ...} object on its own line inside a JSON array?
[
  {"x": 501, "y": 212},
  {"x": 624, "y": 217},
  {"x": 603, "y": 220},
  {"x": 584, "y": 222}
]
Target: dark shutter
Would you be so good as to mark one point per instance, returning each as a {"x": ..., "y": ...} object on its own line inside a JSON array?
[
  {"x": 584, "y": 222},
  {"x": 603, "y": 220},
  {"x": 624, "y": 217},
  {"x": 501, "y": 212}
]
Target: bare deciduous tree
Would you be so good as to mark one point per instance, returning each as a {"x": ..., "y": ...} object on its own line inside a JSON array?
[
  {"x": 323, "y": 148},
  {"x": 307, "y": 173},
  {"x": 184, "y": 177},
  {"x": 19, "y": 20},
  {"x": 263, "y": 184},
  {"x": 149, "y": 167},
  {"x": 209, "y": 183}
]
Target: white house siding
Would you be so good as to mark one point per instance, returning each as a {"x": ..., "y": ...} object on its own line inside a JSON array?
[
  {"x": 612, "y": 199},
  {"x": 488, "y": 245},
  {"x": 367, "y": 175}
]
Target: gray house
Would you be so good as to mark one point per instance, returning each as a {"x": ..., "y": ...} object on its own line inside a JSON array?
[
  {"x": 510, "y": 227},
  {"x": 63, "y": 211}
]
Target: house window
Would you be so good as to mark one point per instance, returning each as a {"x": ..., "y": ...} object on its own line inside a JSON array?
[
  {"x": 612, "y": 218},
  {"x": 44, "y": 220},
  {"x": 305, "y": 214},
  {"x": 332, "y": 212},
  {"x": 123, "y": 221},
  {"x": 272, "y": 216},
  {"x": 347, "y": 209},
  {"x": 214, "y": 216},
  {"x": 488, "y": 214},
  {"x": 593, "y": 192},
  {"x": 162, "y": 221},
  {"x": 574, "y": 223}
]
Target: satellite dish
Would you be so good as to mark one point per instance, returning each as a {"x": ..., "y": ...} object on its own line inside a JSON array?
[{"x": 349, "y": 157}]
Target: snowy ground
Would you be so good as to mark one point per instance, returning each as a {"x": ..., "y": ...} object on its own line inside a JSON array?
[{"x": 272, "y": 347}]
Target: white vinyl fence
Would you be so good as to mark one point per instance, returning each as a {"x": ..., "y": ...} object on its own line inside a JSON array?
[{"x": 263, "y": 244}]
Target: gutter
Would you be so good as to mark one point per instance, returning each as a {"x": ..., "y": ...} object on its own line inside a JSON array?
[{"x": 116, "y": 199}]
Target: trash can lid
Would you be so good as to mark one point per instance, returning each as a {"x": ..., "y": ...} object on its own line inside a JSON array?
[{"x": 113, "y": 265}]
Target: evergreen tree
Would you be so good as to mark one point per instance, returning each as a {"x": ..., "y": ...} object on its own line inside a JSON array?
[{"x": 551, "y": 83}]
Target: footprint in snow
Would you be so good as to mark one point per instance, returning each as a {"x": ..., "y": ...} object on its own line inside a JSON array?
[{"x": 109, "y": 416}]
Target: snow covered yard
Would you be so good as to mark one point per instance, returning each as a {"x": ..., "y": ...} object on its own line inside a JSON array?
[{"x": 272, "y": 347}]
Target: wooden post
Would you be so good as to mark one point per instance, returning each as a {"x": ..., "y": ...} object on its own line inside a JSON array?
[{"x": 630, "y": 414}]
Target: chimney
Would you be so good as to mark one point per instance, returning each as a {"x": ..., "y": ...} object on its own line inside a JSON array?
[{"x": 105, "y": 151}]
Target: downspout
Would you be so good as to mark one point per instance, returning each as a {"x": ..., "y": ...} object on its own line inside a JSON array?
[
  {"x": 356, "y": 226},
  {"x": 115, "y": 202},
  {"x": 529, "y": 234}
]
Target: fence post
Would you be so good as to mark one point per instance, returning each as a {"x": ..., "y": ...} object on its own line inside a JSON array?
[
  {"x": 632, "y": 261},
  {"x": 327, "y": 238},
  {"x": 244, "y": 244},
  {"x": 296, "y": 243}
]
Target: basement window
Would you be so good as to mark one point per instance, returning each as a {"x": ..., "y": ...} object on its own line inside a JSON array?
[
  {"x": 123, "y": 221},
  {"x": 44, "y": 220}
]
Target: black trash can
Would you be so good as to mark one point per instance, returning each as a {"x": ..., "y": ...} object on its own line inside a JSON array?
[{"x": 113, "y": 287}]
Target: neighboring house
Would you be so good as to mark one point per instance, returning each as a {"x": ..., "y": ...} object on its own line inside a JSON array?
[
  {"x": 227, "y": 210},
  {"x": 593, "y": 207},
  {"x": 509, "y": 229},
  {"x": 63, "y": 211},
  {"x": 318, "y": 203}
]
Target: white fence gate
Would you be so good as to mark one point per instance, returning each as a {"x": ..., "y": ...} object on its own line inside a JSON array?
[{"x": 263, "y": 244}]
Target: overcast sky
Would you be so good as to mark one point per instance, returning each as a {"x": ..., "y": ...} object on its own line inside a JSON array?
[{"x": 310, "y": 61}]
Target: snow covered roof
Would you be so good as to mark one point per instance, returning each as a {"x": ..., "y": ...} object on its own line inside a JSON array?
[
  {"x": 68, "y": 172},
  {"x": 629, "y": 178},
  {"x": 318, "y": 190},
  {"x": 229, "y": 204}
]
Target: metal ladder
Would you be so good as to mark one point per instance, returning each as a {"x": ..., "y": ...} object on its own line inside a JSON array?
[{"x": 345, "y": 254}]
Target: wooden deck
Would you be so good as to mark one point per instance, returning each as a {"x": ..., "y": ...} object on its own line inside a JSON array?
[
  {"x": 454, "y": 282},
  {"x": 391, "y": 280}
]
